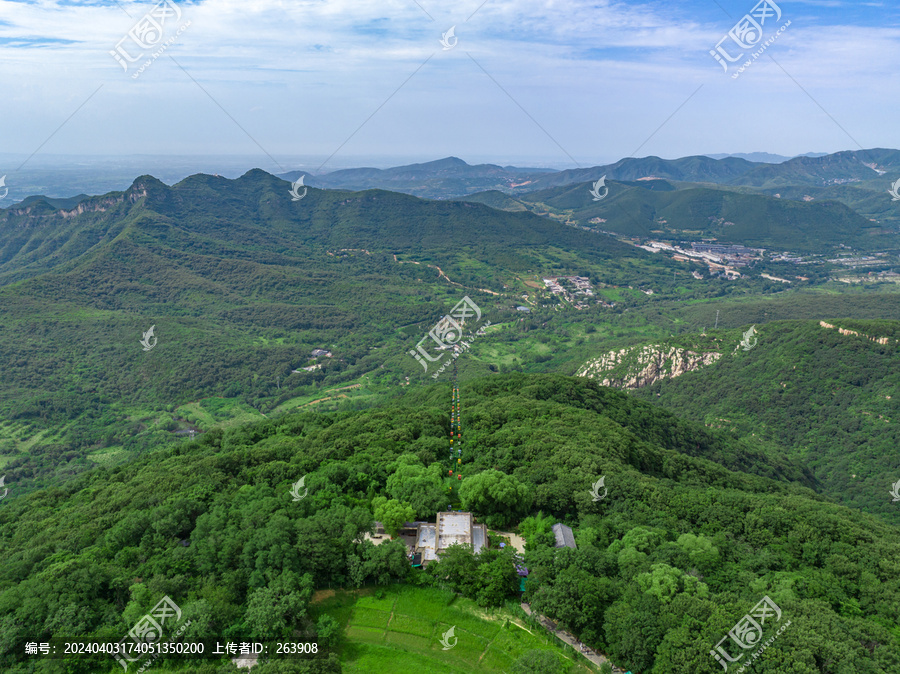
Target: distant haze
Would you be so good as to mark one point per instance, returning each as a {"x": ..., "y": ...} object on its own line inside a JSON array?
[
  {"x": 766, "y": 157},
  {"x": 71, "y": 175}
]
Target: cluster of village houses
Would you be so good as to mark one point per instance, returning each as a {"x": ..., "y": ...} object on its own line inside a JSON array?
[
  {"x": 315, "y": 353},
  {"x": 582, "y": 286}
]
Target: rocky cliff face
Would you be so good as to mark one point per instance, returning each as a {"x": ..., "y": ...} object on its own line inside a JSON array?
[
  {"x": 845, "y": 331},
  {"x": 640, "y": 366},
  {"x": 42, "y": 209}
]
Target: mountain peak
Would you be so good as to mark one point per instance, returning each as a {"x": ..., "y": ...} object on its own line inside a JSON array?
[
  {"x": 145, "y": 181},
  {"x": 256, "y": 174},
  {"x": 446, "y": 162},
  {"x": 142, "y": 186}
]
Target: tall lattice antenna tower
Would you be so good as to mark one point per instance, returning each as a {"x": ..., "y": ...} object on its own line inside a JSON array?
[{"x": 455, "y": 426}]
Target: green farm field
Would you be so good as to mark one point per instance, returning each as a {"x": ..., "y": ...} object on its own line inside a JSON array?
[{"x": 398, "y": 629}]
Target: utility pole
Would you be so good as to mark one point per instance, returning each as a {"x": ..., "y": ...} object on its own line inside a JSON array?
[{"x": 717, "y": 319}]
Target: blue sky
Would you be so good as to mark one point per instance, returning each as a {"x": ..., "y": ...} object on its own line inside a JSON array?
[{"x": 550, "y": 82}]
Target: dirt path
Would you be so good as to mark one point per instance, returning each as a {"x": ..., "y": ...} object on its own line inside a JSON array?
[
  {"x": 313, "y": 402},
  {"x": 390, "y": 618},
  {"x": 596, "y": 658},
  {"x": 321, "y": 595},
  {"x": 342, "y": 395},
  {"x": 344, "y": 388},
  {"x": 441, "y": 274}
]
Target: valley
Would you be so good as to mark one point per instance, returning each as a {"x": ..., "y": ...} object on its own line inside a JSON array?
[{"x": 736, "y": 395}]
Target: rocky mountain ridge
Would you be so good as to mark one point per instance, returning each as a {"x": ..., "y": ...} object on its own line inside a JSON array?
[{"x": 639, "y": 366}]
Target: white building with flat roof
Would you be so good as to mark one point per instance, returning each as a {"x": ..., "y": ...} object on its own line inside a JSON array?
[{"x": 450, "y": 528}]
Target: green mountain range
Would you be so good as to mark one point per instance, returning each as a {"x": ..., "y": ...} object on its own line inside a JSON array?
[
  {"x": 252, "y": 215},
  {"x": 452, "y": 177},
  {"x": 661, "y": 209},
  {"x": 440, "y": 179},
  {"x": 241, "y": 285}
]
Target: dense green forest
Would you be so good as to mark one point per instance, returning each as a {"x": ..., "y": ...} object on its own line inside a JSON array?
[
  {"x": 697, "y": 528},
  {"x": 824, "y": 398},
  {"x": 657, "y": 208}
]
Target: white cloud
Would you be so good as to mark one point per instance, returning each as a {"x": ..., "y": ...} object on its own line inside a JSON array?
[{"x": 324, "y": 66}]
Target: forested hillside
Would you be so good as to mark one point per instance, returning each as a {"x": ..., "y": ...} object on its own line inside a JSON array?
[
  {"x": 241, "y": 285},
  {"x": 210, "y": 215},
  {"x": 695, "y": 213},
  {"x": 827, "y": 399},
  {"x": 682, "y": 546}
]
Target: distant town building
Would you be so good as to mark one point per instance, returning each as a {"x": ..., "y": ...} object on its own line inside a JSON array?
[
  {"x": 722, "y": 249},
  {"x": 525, "y": 309},
  {"x": 321, "y": 352}
]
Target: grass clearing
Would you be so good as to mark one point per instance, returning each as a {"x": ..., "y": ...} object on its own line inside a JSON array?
[
  {"x": 217, "y": 412},
  {"x": 108, "y": 456},
  {"x": 367, "y": 617},
  {"x": 410, "y": 625},
  {"x": 399, "y": 629}
]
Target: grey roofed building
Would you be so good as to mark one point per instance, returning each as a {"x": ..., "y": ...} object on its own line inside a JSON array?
[
  {"x": 425, "y": 542},
  {"x": 564, "y": 536}
]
